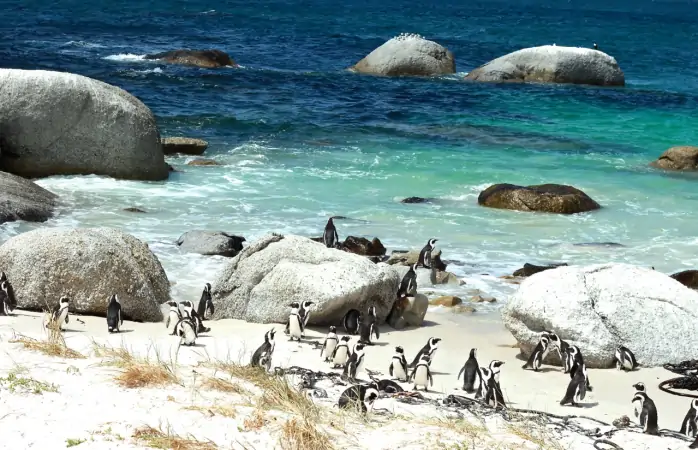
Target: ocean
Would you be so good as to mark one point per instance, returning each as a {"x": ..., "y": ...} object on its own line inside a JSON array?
[{"x": 301, "y": 139}]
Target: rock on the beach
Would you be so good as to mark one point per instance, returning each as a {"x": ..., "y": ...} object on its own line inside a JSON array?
[
  {"x": 447, "y": 300},
  {"x": 210, "y": 243},
  {"x": 260, "y": 283},
  {"x": 407, "y": 258},
  {"x": 408, "y": 54},
  {"x": 88, "y": 265},
  {"x": 408, "y": 311},
  {"x": 479, "y": 298},
  {"x": 364, "y": 247},
  {"x": 207, "y": 59},
  {"x": 186, "y": 146},
  {"x": 602, "y": 306},
  {"x": 678, "y": 158},
  {"x": 688, "y": 278},
  {"x": 552, "y": 64},
  {"x": 551, "y": 198},
  {"x": 56, "y": 123},
  {"x": 20, "y": 199},
  {"x": 530, "y": 269}
]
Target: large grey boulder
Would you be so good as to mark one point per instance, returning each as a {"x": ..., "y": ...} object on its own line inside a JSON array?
[
  {"x": 602, "y": 306},
  {"x": 55, "y": 123},
  {"x": 20, "y": 199},
  {"x": 678, "y": 158},
  {"x": 265, "y": 277},
  {"x": 208, "y": 59},
  {"x": 552, "y": 64},
  {"x": 210, "y": 243},
  {"x": 551, "y": 198},
  {"x": 88, "y": 265},
  {"x": 408, "y": 54}
]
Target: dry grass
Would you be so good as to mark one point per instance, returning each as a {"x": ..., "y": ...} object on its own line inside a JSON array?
[
  {"x": 466, "y": 430},
  {"x": 135, "y": 371},
  {"x": 255, "y": 421},
  {"x": 218, "y": 384},
  {"x": 156, "y": 438},
  {"x": 303, "y": 435},
  {"x": 535, "y": 434},
  {"x": 225, "y": 411},
  {"x": 53, "y": 345}
]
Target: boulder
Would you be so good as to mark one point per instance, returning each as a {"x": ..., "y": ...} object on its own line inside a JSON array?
[
  {"x": 552, "y": 198},
  {"x": 133, "y": 209},
  {"x": 260, "y": 283},
  {"x": 407, "y": 258},
  {"x": 529, "y": 269},
  {"x": 552, "y": 64},
  {"x": 207, "y": 59},
  {"x": 678, "y": 158},
  {"x": 482, "y": 299},
  {"x": 210, "y": 243},
  {"x": 187, "y": 146},
  {"x": 688, "y": 278},
  {"x": 408, "y": 312},
  {"x": 202, "y": 162},
  {"x": 602, "y": 306},
  {"x": 443, "y": 277},
  {"x": 56, "y": 123},
  {"x": 447, "y": 300},
  {"x": 88, "y": 265},
  {"x": 463, "y": 309},
  {"x": 408, "y": 54},
  {"x": 20, "y": 199},
  {"x": 417, "y": 200},
  {"x": 364, "y": 247}
]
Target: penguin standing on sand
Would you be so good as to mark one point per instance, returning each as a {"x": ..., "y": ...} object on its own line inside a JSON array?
[
  {"x": 408, "y": 285},
  {"x": 398, "y": 365},
  {"x": 173, "y": 316},
  {"x": 577, "y": 388},
  {"x": 639, "y": 387},
  {"x": 330, "y": 237},
  {"x": 355, "y": 363},
  {"x": 206, "y": 303},
  {"x": 295, "y": 323},
  {"x": 352, "y": 321},
  {"x": 648, "y": 413},
  {"x": 484, "y": 374},
  {"x": 369, "y": 327},
  {"x": 470, "y": 372},
  {"x": 303, "y": 313},
  {"x": 186, "y": 330},
  {"x": 114, "y": 319},
  {"x": 341, "y": 353},
  {"x": 330, "y": 344},
  {"x": 421, "y": 375},
  {"x": 359, "y": 396},
  {"x": 689, "y": 426},
  {"x": 625, "y": 359},
  {"x": 541, "y": 351},
  {"x": 9, "y": 301},
  {"x": 262, "y": 356},
  {"x": 493, "y": 394},
  {"x": 60, "y": 314},
  {"x": 429, "y": 349},
  {"x": 577, "y": 360},
  {"x": 186, "y": 308},
  {"x": 424, "y": 259}
]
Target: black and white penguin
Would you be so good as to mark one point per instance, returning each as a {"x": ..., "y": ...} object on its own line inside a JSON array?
[
  {"x": 484, "y": 375},
  {"x": 352, "y": 321},
  {"x": 369, "y": 327},
  {"x": 186, "y": 330},
  {"x": 689, "y": 426},
  {"x": 355, "y": 363},
  {"x": 330, "y": 237},
  {"x": 625, "y": 359},
  {"x": 398, "y": 365},
  {"x": 596, "y": 47},
  {"x": 470, "y": 372},
  {"x": 186, "y": 308},
  {"x": 555, "y": 343},
  {"x": 575, "y": 360},
  {"x": 8, "y": 302},
  {"x": 304, "y": 312},
  {"x": 647, "y": 412},
  {"x": 331, "y": 341},
  {"x": 341, "y": 353},
  {"x": 173, "y": 317},
  {"x": 424, "y": 259},
  {"x": 206, "y": 303},
  {"x": 295, "y": 323},
  {"x": 114, "y": 319},
  {"x": 429, "y": 349},
  {"x": 421, "y": 375},
  {"x": 493, "y": 393},
  {"x": 577, "y": 388},
  {"x": 408, "y": 285},
  {"x": 541, "y": 351},
  {"x": 262, "y": 356},
  {"x": 359, "y": 396},
  {"x": 60, "y": 312},
  {"x": 388, "y": 386}
]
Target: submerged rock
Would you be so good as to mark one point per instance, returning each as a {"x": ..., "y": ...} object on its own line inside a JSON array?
[
  {"x": 529, "y": 269},
  {"x": 417, "y": 200},
  {"x": 183, "y": 145},
  {"x": 688, "y": 278},
  {"x": 202, "y": 162},
  {"x": 210, "y": 243},
  {"x": 552, "y": 64},
  {"x": 551, "y": 198},
  {"x": 447, "y": 300},
  {"x": 207, "y": 59},
  {"x": 133, "y": 209},
  {"x": 678, "y": 158},
  {"x": 408, "y": 54},
  {"x": 20, "y": 199}
]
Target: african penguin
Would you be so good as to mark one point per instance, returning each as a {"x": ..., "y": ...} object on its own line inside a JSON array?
[
  {"x": 355, "y": 363},
  {"x": 484, "y": 375},
  {"x": 206, "y": 303},
  {"x": 388, "y": 386},
  {"x": 304, "y": 312},
  {"x": 173, "y": 317},
  {"x": 470, "y": 372},
  {"x": 625, "y": 359},
  {"x": 330, "y": 344},
  {"x": 186, "y": 330},
  {"x": 60, "y": 312},
  {"x": 369, "y": 327},
  {"x": 408, "y": 285},
  {"x": 262, "y": 356},
  {"x": 541, "y": 351},
  {"x": 341, "y": 352},
  {"x": 689, "y": 426},
  {"x": 398, "y": 365},
  {"x": 647, "y": 412},
  {"x": 359, "y": 397},
  {"x": 114, "y": 319},
  {"x": 186, "y": 309},
  {"x": 421, "y": 375},
  {"x": 295, "y": 323},
  {"x": 575, "y": 360},
  {"x": 9, "y": 300},
  {"x": 559, "y": 346},
  {"x": 352, "y": 321},
  {"x": 429, "y": 349},
  {"x": 577, "y": 388},
  {"x": 330, "y": 237},
  {"x": 493, "y": 393},
  {"x": 424, "y": 259}
]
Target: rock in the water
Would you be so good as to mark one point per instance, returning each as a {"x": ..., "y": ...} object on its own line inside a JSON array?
[
  {"x": 678, "y": 158},
  {"x": 56, "y": 123},
  {"x": 210, "y": 243},
  {"x": 207, "y": 59},
  {"x": 408, "y": 54},
  {"x": 688, "y": 278},
  {"x": 183, "y": 145},
  {"x": 529, "y": 269},
  {"x": 88, "y": 265},
  {"x": 552, "y": 64},
  {"x": 20, "y": 199},
  {"x": 552, "y": 198},
  {"x": 465, "y": 309},
  {"x": 364, "y": 247},
  {"x": 260, "y": 283},
  {"x": 405, "y": 258},
  {"x": 202, "y": 162},
  {"x": 443, "y": 277},
  {"x": 133, "y": 209},
  {"x": 408, "y": 311},
  {"x": 416, "y": 200},
  {"x": 601, "y": 306},
  {"x": 482, "y": 299},
  {"x": 447, "y": 300}
]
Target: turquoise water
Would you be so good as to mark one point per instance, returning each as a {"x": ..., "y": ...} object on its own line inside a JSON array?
[{"x": 300, "y": 139}]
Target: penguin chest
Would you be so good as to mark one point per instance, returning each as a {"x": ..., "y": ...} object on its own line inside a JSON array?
[
  {"x": 421, "y": 375},
  {"x": 330, "y": 345},
  {"x": 341, "y": 356},
  {"x": 358, "y": 365},
  {"x": 62, "y": 314},
  {"x": 294, "y": 326},
  {"x": 398, "y": 370},
  {"x": 187, "y": 333},
  {"x": 173, "y": 319}
]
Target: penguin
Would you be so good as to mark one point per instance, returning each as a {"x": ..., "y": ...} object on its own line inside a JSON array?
[
  {"x": 695, "y": 444},
  {"x": 329, "y": 345},
  {"x": 539, "y": 353},
  {"x": 186, "y": 309},
  {"x": 424, "y": 259},
  {"x": 484, "y": 375},
  {"x": 355, "y": 363},
  {"x": 640, "y": 387},
  {"x": 60, "y": 312},
  {"x": 625, "y": 359},
  {"x": 341, "y": 353},
  {"x": 369, "y": 327},
  {"x": 330, "y": 237},
  {"x": 648, "y": 413},
  {"x": 351, "y": 321},
  {"x": 429, "y": 349},
  {"x": 262, "y": 356},
  {"x": 408, "y": 285},
  {"x": 470, "y": 372},
  {"x": 304, "y": 312},
  {"x": 114, "y": 319},
  {"x": 577, "y": 388},
  {"x": 5, "y": 302},
  {"x": 206, "y": 303},
  {"x": 493, "y": 394},
  {"x": 689, "y": 426},
  {"x": 10, "y": 292},
  {"x": 173, "y": 316},
  {"x": 596, "y": 47},
  {"x": 186, "y": 330},
  {"x": 388, "y": 386},
  {"x": 359, "y": 396},
  {"x": 421, "y": 374},
  {"x": 562, "y": 349},
  {"x": 398, "y": 365},
  {"x": 295, "y": 323},
  {"x": 575, "y": 360}
]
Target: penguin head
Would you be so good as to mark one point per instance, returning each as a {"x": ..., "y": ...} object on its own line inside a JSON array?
[
  {"x": 399, "y": 349},
  {"x": 432, "y": 242},
  {"x": 330, "y": 222},
  {"x": 270, "y": 335},
  {"x": 694, "y": 404},
  {"x": 114, "y": 299},
  {"x": 64, "y": 300},
  {"x": 545, "y": 340},
  {"x": 372, "y": 311},
  {"x": 4, "y": 286},
  {"x": 495, "y": 365},
  {"x": 294, "y": 305},
  {"x": 640, "y": 387},
  {"x": 207, "y": 288},
  {"x": 3, "y": 276},
  {"x": 358, "y": 348},
  {"x": 434, "y": 342},
  {"x": 413, "y": 267},
  {"x": 333, "y": 329},
  {"x": 172, "y": 304},
  {"x": 473, "y": 353},
  {"x": 370, "y": 396},
  {"x": 573, "y": 350},
  {"x": 307, "y": 304},
  {"x": 345, "y": 338}
]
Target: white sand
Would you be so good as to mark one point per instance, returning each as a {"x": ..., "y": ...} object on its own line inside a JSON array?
[{"x": 91, "y": 406}]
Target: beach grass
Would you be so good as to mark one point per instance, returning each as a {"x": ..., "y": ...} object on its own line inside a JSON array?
[
  {"x": 17, "y": 383},
  {"x": 300, "y": 434},
  {"x": 219, "y": 384},
  {"x": 53, "y": 345},
  {"x": 156, "y": 438},
  {"x": 135, "y": 371},
  {"x": 214, "y": 410}
]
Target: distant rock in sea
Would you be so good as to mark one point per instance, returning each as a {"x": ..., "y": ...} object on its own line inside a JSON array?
[
  {"x": 551, "y": 198},
  {"x": 530, "y": 269},
  {"x": 207, "y": 59},
  {"x": 21, "y": 199},
  {"x": 183, "y": 145},
  {"x": 678, "y": 158},
  {"x": 417, "y": 200}
]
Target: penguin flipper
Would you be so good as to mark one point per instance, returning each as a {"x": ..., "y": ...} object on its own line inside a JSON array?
[
  {"x": 390, "y": 370},
  {"x": 462, "y": 370},
  {"x": 378, "y": 333},
  {"x": 211, "y": 308},
  {"x": 431, "y": 379},
  {"x": 67, "y": 318},
  {"x": 167, "y": 321}
]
